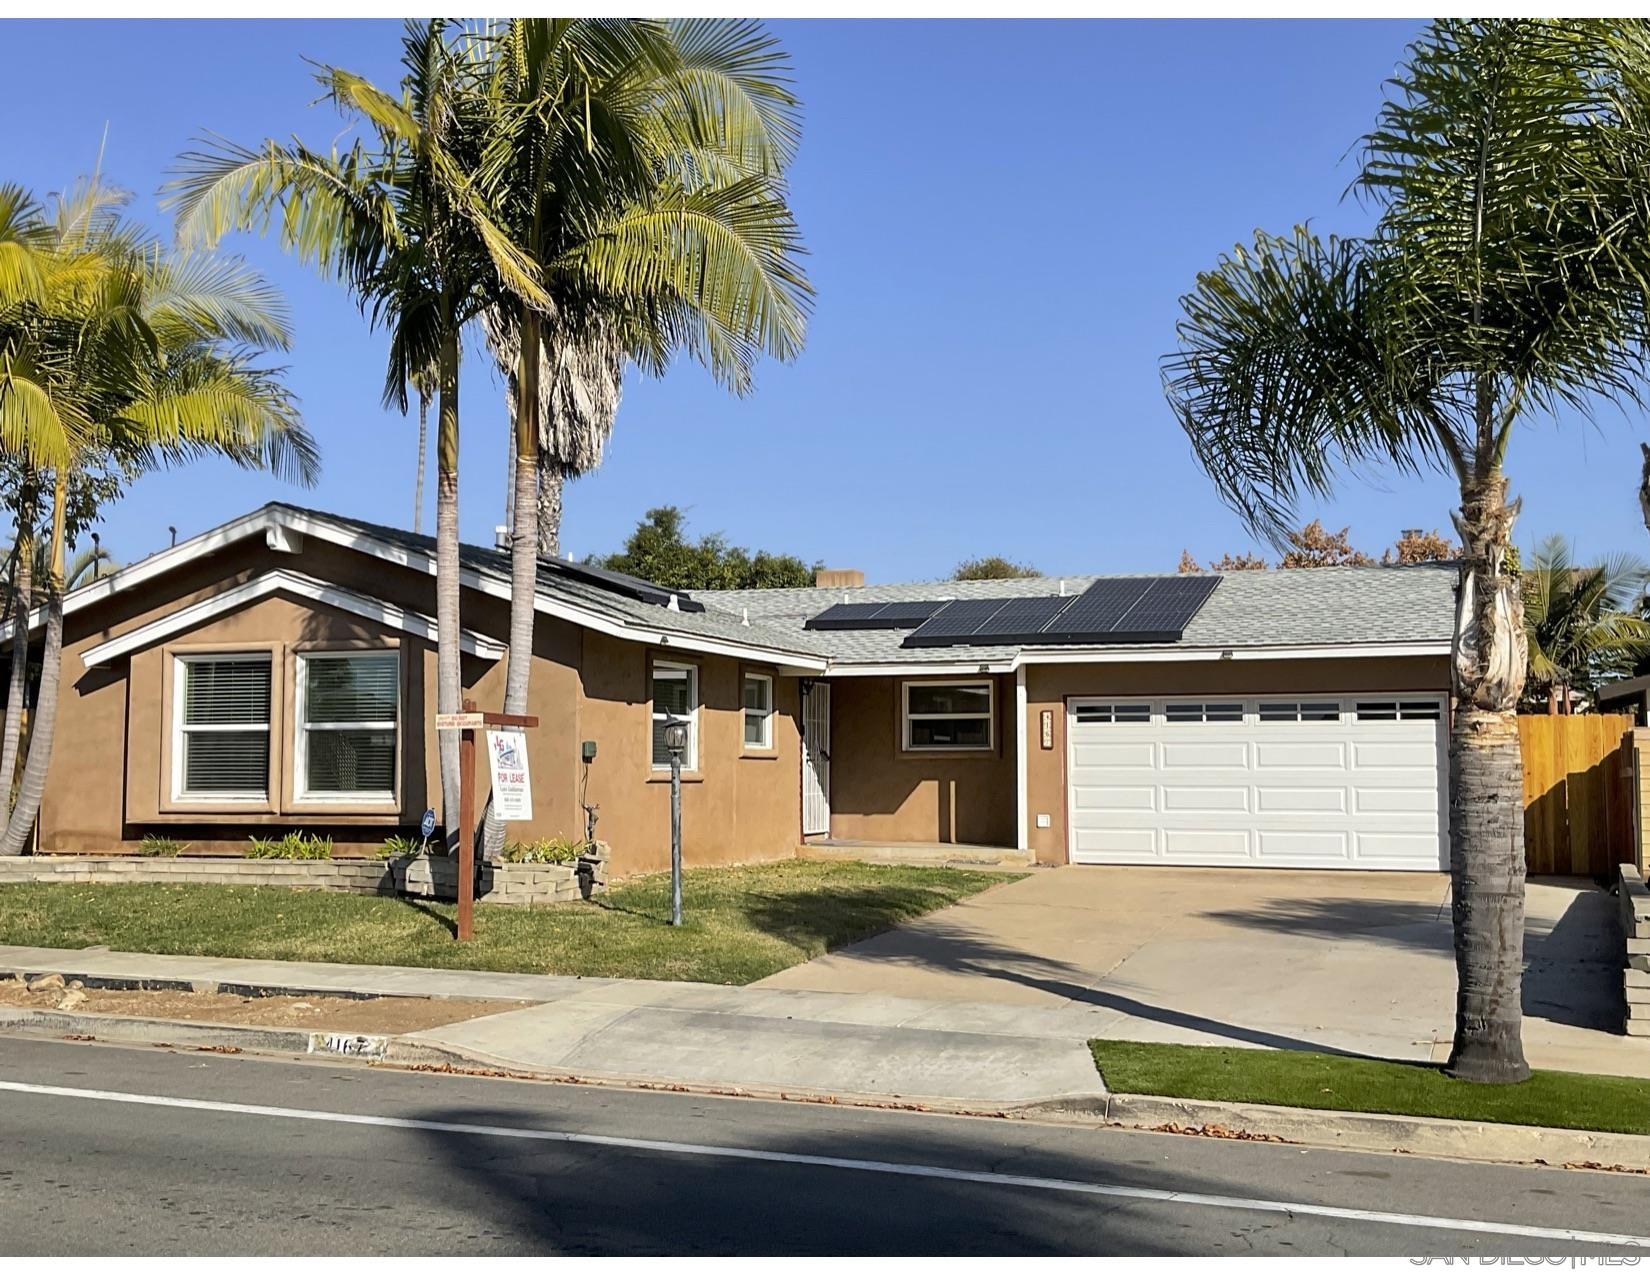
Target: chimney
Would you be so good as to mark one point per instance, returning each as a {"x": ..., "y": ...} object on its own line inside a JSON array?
[{"x": 838, "y": 578}]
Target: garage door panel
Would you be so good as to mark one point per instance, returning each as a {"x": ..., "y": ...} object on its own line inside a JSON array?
[
  {"x": 1207, "y": 754},
  {"x": 1272, "y": 800},
  {"x": 1352, "y": 791}
]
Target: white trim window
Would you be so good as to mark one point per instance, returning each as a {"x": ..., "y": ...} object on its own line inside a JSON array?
[
  {"x": 675, "y": 694},
  {"x": 950, "y": 716},
  {"x": 347, "y": 711},
  {"x": 757, "y": 695},
  {"x": 220, "y": 727}
]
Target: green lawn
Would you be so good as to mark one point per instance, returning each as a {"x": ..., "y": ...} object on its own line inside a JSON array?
[
  {"x": 1289, "y": 1078},
  {"x": 741, "y": 924}
]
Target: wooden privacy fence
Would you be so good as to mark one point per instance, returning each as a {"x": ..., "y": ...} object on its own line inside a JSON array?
[{"x": 1578, "y": 793}]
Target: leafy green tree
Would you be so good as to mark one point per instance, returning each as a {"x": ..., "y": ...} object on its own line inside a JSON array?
[
  {"x": 1582, "y": 622},
  {"x": 659, "y": 551},
  {"x": 116, "y": 356},
  {"x": 993, "y": 568},
  {"x": 1505, "y": 278},
  {"x": 402, "y": 223}
]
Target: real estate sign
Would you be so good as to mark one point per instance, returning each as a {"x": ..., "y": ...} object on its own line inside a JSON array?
[{"x": 512, "y": 783}]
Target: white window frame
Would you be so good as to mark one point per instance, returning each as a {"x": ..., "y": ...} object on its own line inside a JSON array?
[
  {"x": 690, "y": 757},
  {"x": 180, "y": 682},
  {"x": 989, "y": 717},
  {"x": 765, "y": 744},
  {"x": 301, "y": 729}
]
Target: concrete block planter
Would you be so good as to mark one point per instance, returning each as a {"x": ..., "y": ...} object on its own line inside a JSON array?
[
  {"x": 512, "y": 884},
  {"x": 1634, "y": 897}
]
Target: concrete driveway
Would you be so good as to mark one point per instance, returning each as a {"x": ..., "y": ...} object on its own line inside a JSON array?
[{"x": 1355, "y": 961}]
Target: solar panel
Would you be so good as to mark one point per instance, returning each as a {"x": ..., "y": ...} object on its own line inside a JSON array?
[
  {"x": 619, "y": 582},
  {"x": 906, "y": 615},
  {"x": 1096, "y": 610},
  {"x": 957, "y": 624},
  {"x": 845, "y": 615},
  {"x": 1022, "y": 619},
  {"x": 1169, "y": 605}
]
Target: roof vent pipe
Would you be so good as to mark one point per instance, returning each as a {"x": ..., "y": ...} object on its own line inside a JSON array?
[
  {"x": 501, "y": 538},
  {"x": 745, "y": 616},
  {"x": 1062, "y": 586}
]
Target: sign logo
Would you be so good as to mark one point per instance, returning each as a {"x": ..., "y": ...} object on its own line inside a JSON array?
[{"x": 512, "y": 781}]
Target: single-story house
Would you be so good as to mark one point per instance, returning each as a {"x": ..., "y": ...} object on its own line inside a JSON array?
[{"x": 279, "y": 672}]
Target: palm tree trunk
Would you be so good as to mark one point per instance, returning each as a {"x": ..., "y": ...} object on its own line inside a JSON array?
[
  {"x": 1486, "y": 804},
  {"x": 552, "y": 481},
  {"x": 22, "y": 602},
  {"x": 423, "y": 449},
  {"x": 524, "y": 542},
  {"x": 32, "y": 787},
  {"x": 449, "y": 673}
]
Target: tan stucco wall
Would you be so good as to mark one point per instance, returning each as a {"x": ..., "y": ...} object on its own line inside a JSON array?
[
  {"x": 110, "y": 778},
  {"x": 1049, "y": 686},
  {"x": 879, "y": 792}
]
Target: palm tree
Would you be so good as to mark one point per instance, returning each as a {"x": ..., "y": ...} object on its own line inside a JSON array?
[
  {"x": 1505, "y": 278},
  {"x": 1580, "y": 621},
  {"x": 639, "y": 164},
  {"x": 402, "y": 224},
  {"x": 127, "y": 357},
  {"x": 423, "y": 384}
]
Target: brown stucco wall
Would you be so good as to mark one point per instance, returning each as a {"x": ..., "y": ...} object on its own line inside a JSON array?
[
  {"x": 109, "y": 783},
  {"x": 1049, "y": 686},
  {"x": 879, "y": 792}
]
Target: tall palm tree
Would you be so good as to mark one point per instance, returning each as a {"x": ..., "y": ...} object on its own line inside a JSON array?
[
  {"x": 402, "y": 224},
  {"x": 1505, "y": 278},
  {"x": 129, "y": 357},
  {"x": 640, "y": 165},
  {"x": 1580, "y": 621},
  {"x": 423, "y": 384}
]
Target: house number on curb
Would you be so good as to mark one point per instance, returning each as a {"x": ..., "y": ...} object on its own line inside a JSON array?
[{"x": 350, "y": 1046}]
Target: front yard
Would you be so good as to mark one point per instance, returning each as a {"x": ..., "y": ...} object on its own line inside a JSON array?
[
  {"x": 740, "y": 924},
  {"x": 1295, "y": 1078}
]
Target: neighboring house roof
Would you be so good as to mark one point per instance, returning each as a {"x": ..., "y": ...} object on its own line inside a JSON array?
[
  {"x": 567, "y": 592},
  {"x": 1328, "y": 610}
]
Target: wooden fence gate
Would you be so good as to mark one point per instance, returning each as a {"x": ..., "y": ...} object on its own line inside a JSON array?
[{"x": 1578, "y": 793}]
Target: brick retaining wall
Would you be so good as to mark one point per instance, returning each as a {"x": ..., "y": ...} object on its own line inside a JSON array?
[{"x": 518, "y": 884}]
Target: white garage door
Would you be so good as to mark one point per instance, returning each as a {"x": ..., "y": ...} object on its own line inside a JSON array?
[{"x": 1328, "y": 782}]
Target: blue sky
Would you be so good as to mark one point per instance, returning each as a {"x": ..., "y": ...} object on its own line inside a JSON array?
[{"x": 1001, "y": 219}]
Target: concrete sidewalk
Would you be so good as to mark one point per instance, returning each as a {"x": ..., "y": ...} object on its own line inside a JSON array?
[{"x": 847, "y": 1045}]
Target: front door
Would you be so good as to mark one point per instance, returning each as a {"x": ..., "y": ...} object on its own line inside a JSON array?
[{"x": 816, "y": 760}]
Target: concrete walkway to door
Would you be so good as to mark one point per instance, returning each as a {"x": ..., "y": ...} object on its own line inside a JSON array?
[{"x": 1353, "y": 961}]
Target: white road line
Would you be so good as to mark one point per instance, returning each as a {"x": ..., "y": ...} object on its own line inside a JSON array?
[{"x": 896, "y": 1169}]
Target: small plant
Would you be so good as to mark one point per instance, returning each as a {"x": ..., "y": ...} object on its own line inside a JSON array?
[
  {"x": 544, "y": 850},
  {"x": 295, "y": 845},
  {"x": 398, "y": 844},
  {"x": 161, "y": 847}
]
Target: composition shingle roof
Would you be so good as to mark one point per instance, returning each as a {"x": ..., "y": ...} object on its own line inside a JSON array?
[{"x": 1326, "y": 606}]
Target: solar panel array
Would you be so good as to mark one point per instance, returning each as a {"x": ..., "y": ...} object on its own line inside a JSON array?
[
  {"x": 874, "y": 615},
  {"x": 1147, "y": 609}
]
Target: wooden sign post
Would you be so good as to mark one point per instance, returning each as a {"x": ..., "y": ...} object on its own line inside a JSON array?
[{"x": 469, "y": 721}]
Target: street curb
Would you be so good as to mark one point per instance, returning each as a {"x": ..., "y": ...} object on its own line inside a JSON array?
[
  {"x": 222, "y": 1037},
  {"x": 239, "y": 987},
  {"x": 1357, "y": 1131}
]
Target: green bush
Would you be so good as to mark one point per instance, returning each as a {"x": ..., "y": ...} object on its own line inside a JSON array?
[
  {"x": 544, "y": 850},
  {"x": 161, "y": 847},
  {"x": 398, "y": 844},
  {"x": 295, "y": 845}
]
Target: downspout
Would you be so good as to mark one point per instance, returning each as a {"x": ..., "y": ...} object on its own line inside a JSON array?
[{"x": 1021, "y": 802}]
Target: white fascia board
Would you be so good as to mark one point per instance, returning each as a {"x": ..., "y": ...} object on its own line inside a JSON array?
[
  {"x": 414, "y": 622},
  {"x": 1170, "y": 654},
  {"x": 934, "y": 669},
  {"x": 287, "y": 525}
]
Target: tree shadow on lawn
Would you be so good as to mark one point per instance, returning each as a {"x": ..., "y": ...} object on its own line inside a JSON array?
[{"x": 418, "y": 905}]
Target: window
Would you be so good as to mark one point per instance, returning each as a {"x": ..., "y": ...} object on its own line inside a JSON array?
[
  {"x": 948, "y": 715},
  {"x": 675, "y": 694},
  {"x": 1225, "y": 712},
  {"x": 758, "y": 696},
  {"x": 345, "y": 742},
  {"x": 220, "y": 727},
  {"x": 1308, "y": 711},
  {"x": 1398, "y": 710},
  {"x": 1098, "y": 714}
]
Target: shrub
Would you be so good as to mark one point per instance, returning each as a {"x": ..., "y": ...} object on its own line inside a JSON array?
[
  {"x": 161, "y": 847},
  {"x": 398, "y": 844},
  {"x": 544, "y": 850},
  {"x": 295, "y": 845}
]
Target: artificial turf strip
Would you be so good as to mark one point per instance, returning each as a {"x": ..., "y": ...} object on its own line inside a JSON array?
[
  {"x": 740, "y": 924},
  {"x": 1291, "y": 1078}
]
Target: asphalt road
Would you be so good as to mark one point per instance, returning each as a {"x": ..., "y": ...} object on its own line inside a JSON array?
[{"x": 146, "y": 1151}]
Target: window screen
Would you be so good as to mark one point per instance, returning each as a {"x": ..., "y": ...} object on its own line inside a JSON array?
[
  {"x": 222, "y": 728},
  {"x": 347, "y": 727}
]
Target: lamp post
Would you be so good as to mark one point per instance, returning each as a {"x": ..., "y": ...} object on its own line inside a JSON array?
[{"x": 676, "y": 741}]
